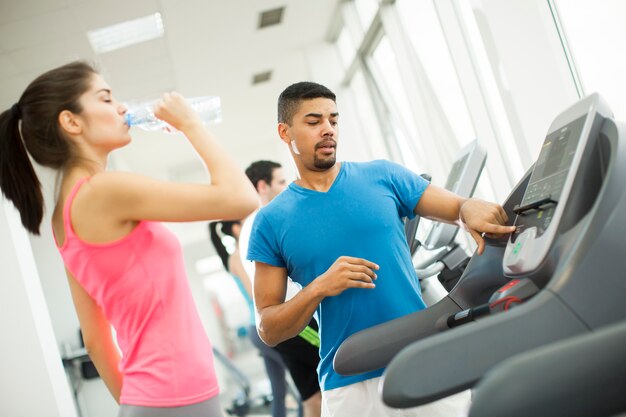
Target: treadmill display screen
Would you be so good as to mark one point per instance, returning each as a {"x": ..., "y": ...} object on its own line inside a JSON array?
[
  {"x": 548, "y": 178},
  {"x": 455, "y": 173}
]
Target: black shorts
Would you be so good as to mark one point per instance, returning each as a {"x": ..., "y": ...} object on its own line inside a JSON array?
[{"x": 301, "y": 359}]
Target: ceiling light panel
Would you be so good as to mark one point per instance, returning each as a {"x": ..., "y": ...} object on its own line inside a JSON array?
[{"x": 126, "y": 33}]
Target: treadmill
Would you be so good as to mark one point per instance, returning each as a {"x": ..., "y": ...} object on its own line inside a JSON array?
[
  {"x": 540, "y": 285},
  {"x": 543, "y": 382},
  {"x": 560, "y": 272},
  {"x": 462, "y": 180},
  {"x": 439, "y": 272}
]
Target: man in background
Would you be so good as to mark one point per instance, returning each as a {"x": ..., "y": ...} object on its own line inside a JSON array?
[{"x": 300, "y": 353}]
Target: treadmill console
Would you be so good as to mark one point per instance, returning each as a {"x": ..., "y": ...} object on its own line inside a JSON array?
[
  {"x": 462, "y": 181},
  {"x": 540, "y": 211}
]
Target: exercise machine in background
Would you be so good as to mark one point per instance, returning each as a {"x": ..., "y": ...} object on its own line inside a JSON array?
[{"x": 443, "y": 258}]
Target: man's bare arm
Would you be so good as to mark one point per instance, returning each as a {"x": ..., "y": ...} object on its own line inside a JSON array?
[
  {"x": 281, "y": 320},
  {"x": 474, "y": 215}
]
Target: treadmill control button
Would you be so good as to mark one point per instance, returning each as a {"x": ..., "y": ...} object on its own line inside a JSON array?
[{"x": 514, "y": 254}]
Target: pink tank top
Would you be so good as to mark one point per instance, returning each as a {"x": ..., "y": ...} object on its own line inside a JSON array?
[{"x": 140, "y": 283}]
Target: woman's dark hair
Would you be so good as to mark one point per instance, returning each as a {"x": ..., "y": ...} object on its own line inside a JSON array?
[
  {"x": 226, "y": 229},
  {"x": 32, "y": 124}
]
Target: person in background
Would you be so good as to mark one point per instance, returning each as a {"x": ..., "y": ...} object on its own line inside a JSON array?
[
  {"x": 125, "y": 269},
  {"x": 232, "y": 261},
  {"x": 301, "y": 352},
  {"x": 338, "y": 232},
  {"x": 274, "y": 365}
]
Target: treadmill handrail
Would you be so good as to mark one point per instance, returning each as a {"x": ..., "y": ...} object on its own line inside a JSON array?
[{"x": 544, "y": 382}]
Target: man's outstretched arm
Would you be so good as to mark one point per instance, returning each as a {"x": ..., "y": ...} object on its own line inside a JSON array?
[{"x": 474, "y": 215}]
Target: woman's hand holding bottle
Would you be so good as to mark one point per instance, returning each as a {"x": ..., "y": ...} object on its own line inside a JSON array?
[{"x": 176, "y": 111}]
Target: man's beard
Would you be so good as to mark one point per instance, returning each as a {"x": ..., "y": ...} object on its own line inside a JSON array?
[
  {"x": 324, "y": 163},
  {"x": 328, "y": 162}
]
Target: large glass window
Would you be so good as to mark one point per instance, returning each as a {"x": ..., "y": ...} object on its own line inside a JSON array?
[
  {"x": 595, "y": 33},
  {"x": 345, "y": 47},
  {"x": 386, "y": 75},
  {"x": 362, "y": 109},
  {"x": 508, "y": 148},
  {"x": 366, "y": 10},
  {"x": 423, "y": 28}
]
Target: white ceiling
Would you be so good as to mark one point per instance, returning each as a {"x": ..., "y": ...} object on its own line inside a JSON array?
[{"x": 209, "y": 48}]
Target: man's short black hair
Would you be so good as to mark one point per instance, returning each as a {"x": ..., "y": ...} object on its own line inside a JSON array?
[
  {"x": 290, "y": 98},
  {"x": 261, "y": 170}
]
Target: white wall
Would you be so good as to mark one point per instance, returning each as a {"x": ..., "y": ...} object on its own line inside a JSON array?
[
  {"x": 93, "y": 397},
  {"x": 32, "y": 380}
]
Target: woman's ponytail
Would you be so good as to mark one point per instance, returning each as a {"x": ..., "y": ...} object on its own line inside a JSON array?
[
  {"x": 18, "y": 180},
  {"x": 30, "y": 128}
]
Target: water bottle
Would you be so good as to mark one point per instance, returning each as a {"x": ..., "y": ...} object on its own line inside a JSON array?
[{"x": 208, "y": 108}]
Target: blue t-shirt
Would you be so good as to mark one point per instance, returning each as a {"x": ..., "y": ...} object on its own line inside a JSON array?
[{"x": 305, "y": 231}]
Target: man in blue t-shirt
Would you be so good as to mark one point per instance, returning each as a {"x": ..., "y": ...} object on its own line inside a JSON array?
[{"x": 338, "y": 232}]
